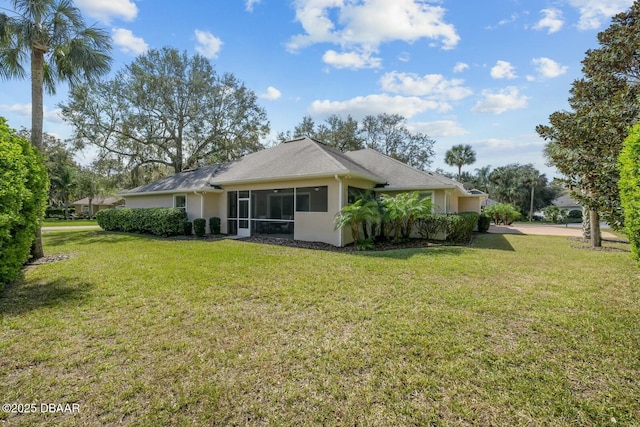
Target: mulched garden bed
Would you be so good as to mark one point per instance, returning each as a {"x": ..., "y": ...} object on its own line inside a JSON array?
[
  {"x": 380, "y": 246},
  {"x": 601, "y": 248}
]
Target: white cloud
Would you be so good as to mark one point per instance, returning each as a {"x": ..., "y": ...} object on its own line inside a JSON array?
[
  {"x": 250, "y": 3},
  {"x": 271, "y": 94},
  {"x": 501, "y": 101},
  {"x": 460, "y": 67},
  {"x": 433, "y": 85},
  {"x": 552, "y": 21},
  {"x": 128, "y": 42},
  {"x": 369, "y": 23},
  {"x": 594, "y": 12},
  {"x": 438, "y": 129},
  {"x": 25, "y": 111},
  {"x": 503, "y": 70},
  {"x": 548, "y": 68},
  {"x": 362, "y": 106},
  {"x": 404, "y": 57},
  {"x": 207, "y": 45},
  {"x": 353, "y": 60},
  {"x": 106, "y": 10}
]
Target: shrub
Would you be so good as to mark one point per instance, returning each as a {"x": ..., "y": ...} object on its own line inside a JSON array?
[
  {"x": 502, "y": 213},
  {"x": 460, "y": 226},
  {"x": 629, "y": 184},
  {"x": 484, "y": 222},
  {"x": 187, "y": 228},
  {"x": 430, "y": 226},
  {"x": 23, "y": 196},
  {"x": 156, "y": 221},
  {"x": 200, "y": 226},
  {"x": 214, "y": 225}
]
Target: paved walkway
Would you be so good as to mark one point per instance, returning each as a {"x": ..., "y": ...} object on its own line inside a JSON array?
[{"x": 546, "y": 230}]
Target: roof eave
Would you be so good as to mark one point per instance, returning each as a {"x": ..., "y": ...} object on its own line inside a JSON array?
[{"x": 173, "y": 191}]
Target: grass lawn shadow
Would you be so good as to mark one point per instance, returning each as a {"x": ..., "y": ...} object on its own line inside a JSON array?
[
  {"x": 492, "y": 241},
  {"x": 85, "y": 237},
  {"x": 407, "y": 253},
  {"x": 23, "y": 296}
]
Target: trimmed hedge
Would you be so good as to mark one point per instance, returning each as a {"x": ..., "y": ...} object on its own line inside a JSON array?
[
  {"x": 214, "y": 225},
  {"x": 24, "y": 185},
  {"x": 629, "y": 184},
  {"x": 457, "y": 228},
  {"x": 156, "y": 221},
  {"x": 200, "y": 227},
  {"x": 460, "y": 226},
  {"x": 187, "y": 228},
  {"x": 484, "y": 222}
]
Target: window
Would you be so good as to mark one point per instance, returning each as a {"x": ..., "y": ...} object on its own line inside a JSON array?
[
  {"x": 312, "y": 199},
  {"x": 180, "y": 201}
]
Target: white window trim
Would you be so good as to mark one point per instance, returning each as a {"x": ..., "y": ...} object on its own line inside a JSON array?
[{"x": 186, "y": 201}]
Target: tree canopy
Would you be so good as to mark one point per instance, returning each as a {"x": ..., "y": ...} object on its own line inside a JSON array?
[
  {"x": 167, "y": 109},
  {"x": 585, "y": 142},
  {"x": 386, "y": 133}
]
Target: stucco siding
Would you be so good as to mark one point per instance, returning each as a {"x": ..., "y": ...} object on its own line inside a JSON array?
[
  {"x": 469, "y": 204},
  {"x": 153, "y": 201}
]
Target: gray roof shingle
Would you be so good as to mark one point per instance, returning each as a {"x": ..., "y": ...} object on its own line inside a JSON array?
[{"x": 398, "y": 175}]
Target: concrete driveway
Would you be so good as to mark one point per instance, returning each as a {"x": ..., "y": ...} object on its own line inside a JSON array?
[{"x": 546, "y": 230}]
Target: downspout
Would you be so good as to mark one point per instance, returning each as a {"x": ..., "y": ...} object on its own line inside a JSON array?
[
  {"x": 201, "y": 203},
  {"x": 339, "y": 205}
]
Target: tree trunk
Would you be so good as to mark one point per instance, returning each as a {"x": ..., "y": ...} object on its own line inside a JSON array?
[
  {"x": 37, "y": 72},
  {"x": 586, "y": 224},
  {"x": 531, "y": 205},
  {"x": 596, "y": 239}
]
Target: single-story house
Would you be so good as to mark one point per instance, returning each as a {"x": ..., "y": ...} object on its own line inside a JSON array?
[
  {"x": 97, "y": 203},
  {"x": 566, "y": 202},
  {"x": 295, "y": 189}
]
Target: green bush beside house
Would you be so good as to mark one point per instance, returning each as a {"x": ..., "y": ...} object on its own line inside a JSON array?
[{"x": 24, "y": 186}]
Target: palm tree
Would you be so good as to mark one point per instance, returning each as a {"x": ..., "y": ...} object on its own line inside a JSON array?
[
  {"x": 482, "y": 178},
  {"x": 52, "y": 36},
  {"x": 63, "y": 184},
  {"x": 358, "y": 213},
  {"x": 460, "y": 155}
]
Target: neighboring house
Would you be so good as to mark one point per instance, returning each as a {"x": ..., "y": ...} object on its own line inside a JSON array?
[
  {"x": 97, "y": 203},
  {"x": 295, "y": 189},
  {"x": 566, "y": 202}
]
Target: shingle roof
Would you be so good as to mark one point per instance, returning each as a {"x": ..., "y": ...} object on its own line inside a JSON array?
[
  {"x": 564, "y": 201},
  {"x": 98, "y": 200},
  {"x": 300, "y": 158},
  {"x": 297, "y": 158},
  {"x": 398, "y": 175},
  {"x": 188, "y": 180}
]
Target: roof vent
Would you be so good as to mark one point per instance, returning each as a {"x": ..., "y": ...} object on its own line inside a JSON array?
[{"x": 190, "y": 169}]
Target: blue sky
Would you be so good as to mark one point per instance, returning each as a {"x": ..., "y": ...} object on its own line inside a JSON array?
[{"x": 479, "y": 73}]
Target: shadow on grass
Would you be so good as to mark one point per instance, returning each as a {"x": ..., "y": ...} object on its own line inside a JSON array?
[
  {"x": 492, "y": 241},
  {"x": 407, "y": 253},
  {"x": 22, "y": 296},
  {"x": 84, "y": 237}
]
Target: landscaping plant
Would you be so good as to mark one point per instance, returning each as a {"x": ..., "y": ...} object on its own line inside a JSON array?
[{"x": 629, "y": 183}]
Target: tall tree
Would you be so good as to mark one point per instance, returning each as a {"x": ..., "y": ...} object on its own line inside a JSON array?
[
  {"x": 512, "y": 184},
  {"x": 482, "y": 180},
  {"x": 53, "y": 37},
  {"x": 167, "y": 108},
  {"x": 460, "y": 155},
  {"x": 388, "y": 134},
  {"x": 584, "y": 143}
]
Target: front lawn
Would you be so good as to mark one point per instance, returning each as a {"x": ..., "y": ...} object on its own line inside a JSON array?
[{"x": 514, "y": 330}]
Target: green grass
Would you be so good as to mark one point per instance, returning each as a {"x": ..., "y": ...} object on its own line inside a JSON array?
[
  {"x": 514, "y": 330},
  {"x": 51, "y": 222}
]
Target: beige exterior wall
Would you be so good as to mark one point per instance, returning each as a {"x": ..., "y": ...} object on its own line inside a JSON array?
[
  {"x": 469, "y": 204},
  {"x": 152, "y": 201}
]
